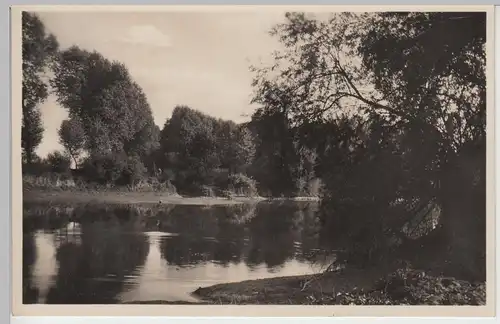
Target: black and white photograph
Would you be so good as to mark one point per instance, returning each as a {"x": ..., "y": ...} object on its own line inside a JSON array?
[{"x": 254, "y": 157}]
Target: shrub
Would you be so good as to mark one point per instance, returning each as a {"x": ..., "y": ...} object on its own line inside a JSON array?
[
  {"x": 114, "y": 169},
  {"x": 48, "y": 181},
  {"x": 58, "y": 163},
  {"x": 411, "y": 287},
  {"x": 315, "y": 186},
  {"x": 133, "y": 171},
  {"x": 207, "y": 191},
  {"x": 153, "y": 184},
  {"x": 242, "y": 185}
]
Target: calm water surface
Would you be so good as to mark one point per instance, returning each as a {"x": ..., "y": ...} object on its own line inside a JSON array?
[{"x": 105, "y": 255}]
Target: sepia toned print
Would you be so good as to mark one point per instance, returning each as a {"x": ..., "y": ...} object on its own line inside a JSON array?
[{"x": 295, "y": 157}]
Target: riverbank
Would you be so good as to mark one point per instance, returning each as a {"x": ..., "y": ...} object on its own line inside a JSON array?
[
  {"x": 143, "y": 198},
  {"x": 353, "y": 287},
  {"x": 287, "y": 290}
]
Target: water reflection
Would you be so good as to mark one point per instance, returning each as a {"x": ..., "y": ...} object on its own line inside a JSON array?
[
  {"x": 105, "y": 255},
  {"x": 30, "y": 291}
]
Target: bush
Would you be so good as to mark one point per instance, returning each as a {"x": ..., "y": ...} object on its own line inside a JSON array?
[
  {"x": 315, "y": 186},
  {"x": 207, "y": 191},
  {"x": 153, "y": 184},
  {"x": 48, "y": 181},
  {"x": 114, "y": 169},
  {"x": 306, "y": 187},
  {"x": 133, "y": 172},
  {"x": 412, "y": 287},
  {"x": 36, "y": 168},
  {"x": 58, "y": 163},
  {"x": 242, "y": 185}
]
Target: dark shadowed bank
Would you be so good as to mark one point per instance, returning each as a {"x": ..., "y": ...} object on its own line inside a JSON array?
[{"x": 353, "y": 287}]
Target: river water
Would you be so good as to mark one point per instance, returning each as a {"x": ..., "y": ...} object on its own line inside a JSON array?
[{"x": 107, "y": 255}]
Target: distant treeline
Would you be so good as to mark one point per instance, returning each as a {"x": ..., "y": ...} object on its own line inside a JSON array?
[
  {"x": 110, "y": 136},
  {"x": 384, "y": 112}
]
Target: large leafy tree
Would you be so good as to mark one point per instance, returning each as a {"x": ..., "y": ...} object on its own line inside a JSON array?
[
  {"x": 189, "y": 147},
  {"x": 39, "y": 50},
  {"x": 236, "y": 146},
  {"x": 197, "y": 149},
  {"x": 275, "y": 153},
  {"x": 101, "y": 96},
  {"x": 285, "y": 160},
  {"x": 411, "y": 83}
]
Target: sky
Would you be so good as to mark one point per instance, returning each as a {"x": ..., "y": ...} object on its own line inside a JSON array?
[{"x": 179, "y": 58}]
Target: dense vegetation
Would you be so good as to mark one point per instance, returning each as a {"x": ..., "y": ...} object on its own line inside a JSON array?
[
  {"x": 110, "y": 137},
  {"x": 383, "y": 115},
  {"x": 405, "y": 98}
]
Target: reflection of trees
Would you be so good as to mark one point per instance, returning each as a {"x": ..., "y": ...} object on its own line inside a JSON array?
[
  {"x": 95, "y": 270},
  {"x": 44, "y": 216},
  {"x": 30, "y": 292},
  {"x": 213, "y": 233},
  {"x": 185, "y": 250},
  {"x": 110, "y": 248},
  {"x": 231, "y": 235},
  {"x": 308, "y": 231},
  {"x": 192, "y": 221},
  {"x": 195, "y": 226},
  {"x": 272, "y": 234},
  {"x": 218, "y": 233}
]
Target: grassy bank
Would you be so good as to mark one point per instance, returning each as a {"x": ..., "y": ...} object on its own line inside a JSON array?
[
  {"x": 353, "y": 287},
  {"x": 123, "y": 197},
  {"x": 57, "y": 190}
]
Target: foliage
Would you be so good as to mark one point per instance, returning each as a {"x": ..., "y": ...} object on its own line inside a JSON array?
[
  {"x": 408, "y": 124},
  {"x": 242, "y": 185},
  {"x": 412, "y": 287},
  {"x": 111, "y": 109},
  {"x": 65, "y": 182},
  {"x": 193, "y": 146},
  {"x": 285, "y": 164},
  {"x": 48, "y": 181},
  {"x": 117, "y": 169},
  {"x": 38, "y": 51},
  {"x": 238, "y": 148},
  {"x": 58, "y": 162},
  {"x": 72, "y": 137},
  {"x": 152, "y": 184},
  {"x": 274, "y": 153}
]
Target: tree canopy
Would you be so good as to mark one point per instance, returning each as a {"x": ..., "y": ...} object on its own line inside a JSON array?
[
  {"x": 103, "y": 100},
  {"x": 39, "y": 49},
  {"x": 196, "y": 147},
  {"x": 405, "y": 96},
  {"x": 382, "y": 114}
]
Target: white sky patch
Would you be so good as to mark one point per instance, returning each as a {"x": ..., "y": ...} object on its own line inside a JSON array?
[{"x": 147, "y": 35}]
